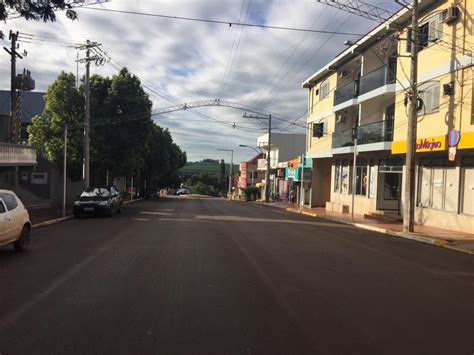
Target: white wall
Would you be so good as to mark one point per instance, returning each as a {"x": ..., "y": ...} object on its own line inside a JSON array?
[{"x": 284, "y": 146}]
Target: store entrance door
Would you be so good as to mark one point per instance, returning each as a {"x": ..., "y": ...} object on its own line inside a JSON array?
[{"x": 389, "y": 189}]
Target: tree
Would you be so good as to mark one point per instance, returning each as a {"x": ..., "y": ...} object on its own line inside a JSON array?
[
  {"x": 223, "y": 177},
  {"x": 63, "y": 104},
  {"x": 38, "y": 10}
]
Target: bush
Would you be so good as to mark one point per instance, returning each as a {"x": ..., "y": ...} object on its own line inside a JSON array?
[{"x": 251, "y": 193}]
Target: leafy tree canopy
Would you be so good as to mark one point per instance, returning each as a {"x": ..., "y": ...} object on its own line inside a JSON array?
[{"x": 37, "y": 10}]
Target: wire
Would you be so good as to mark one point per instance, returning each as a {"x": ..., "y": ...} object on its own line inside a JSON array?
[{"x": 229, "y": 23}]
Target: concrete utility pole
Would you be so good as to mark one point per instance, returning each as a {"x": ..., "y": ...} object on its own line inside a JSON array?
[
  {"x": 64, "y": 170},
  {"x": 409, "y": 206},
  {"x": 14, "y": 126},
  {"x": 87, "y": 60},
  {"x": 87, "y": 119},
  {"x": 267, "y": 175}
]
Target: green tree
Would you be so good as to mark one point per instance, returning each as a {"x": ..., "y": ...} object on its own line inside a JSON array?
[
  {"x": 223, "y": 175},
  {"x": 63, "y": 104},
  {"x": 37, "y": 10}
]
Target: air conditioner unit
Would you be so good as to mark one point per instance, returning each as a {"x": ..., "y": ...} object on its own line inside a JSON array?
[
  {"x": 340, "y": 118},
  {"x": 343, "y": 74},
  {"x": 451, "y": 14}
]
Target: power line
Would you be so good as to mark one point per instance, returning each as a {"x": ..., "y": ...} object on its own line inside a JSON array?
[{"x": 228, "y": 23}]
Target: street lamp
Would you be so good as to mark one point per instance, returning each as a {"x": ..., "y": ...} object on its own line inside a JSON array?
[{"x": 231, "y": 166}]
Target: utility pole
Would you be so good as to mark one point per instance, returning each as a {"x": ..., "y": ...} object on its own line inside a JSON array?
[
  {"x": 409, "y": 206},
  {"x": 14, "y": 126},
  {"x": 64, "y": 170},
  {"x": 354, "y": 170},
  {"x": 267, "y": 175},
  {"x": 87, "y": 60}
]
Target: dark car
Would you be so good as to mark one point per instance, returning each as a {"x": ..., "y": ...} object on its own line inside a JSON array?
[
  {"x": 152, "y": 192},
  {"x": 100, "y": 200}
]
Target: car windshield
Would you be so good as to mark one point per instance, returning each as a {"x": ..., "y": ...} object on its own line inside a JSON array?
[{"x": 95, "y": 193}]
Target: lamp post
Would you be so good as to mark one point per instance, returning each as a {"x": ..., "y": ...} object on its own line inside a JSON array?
[{"x": 231, "y": 166}]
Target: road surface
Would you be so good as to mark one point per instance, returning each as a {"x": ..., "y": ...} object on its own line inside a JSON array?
[{"x": 208, "y": 276}]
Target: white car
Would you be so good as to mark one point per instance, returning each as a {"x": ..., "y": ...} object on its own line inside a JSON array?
[{"x": 15, "y": 222}]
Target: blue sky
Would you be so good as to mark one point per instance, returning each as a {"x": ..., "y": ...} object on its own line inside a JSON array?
[{"x": 191, "y": 61}]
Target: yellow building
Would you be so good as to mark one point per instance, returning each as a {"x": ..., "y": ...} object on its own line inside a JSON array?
[{"x": 365, "y": 88}]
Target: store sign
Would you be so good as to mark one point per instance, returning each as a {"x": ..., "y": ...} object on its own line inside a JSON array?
[
  {"x": 423, "y": 145},
  {"x": 281, "y": 173},
  {"x": 292, "y": 173}
]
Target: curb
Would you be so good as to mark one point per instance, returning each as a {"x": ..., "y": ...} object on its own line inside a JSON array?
[
  {"x": 62, "y": 219},
  {"x": 415, "y": 237},
  {"x": 132, "y": 201},
  {"x": 302, "y": 212},
  {"x": 52, "y": 221}
]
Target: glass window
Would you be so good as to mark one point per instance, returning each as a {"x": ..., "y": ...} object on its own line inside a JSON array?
[
  {"x": 2, "y": 207},
  {"x": 391, "y": 186},
  {"x": 324, "y": 90},
  {"x": 468, "y": 185},
  {"x": 438, "y": 185},
  {"x": 430, "y": 95},
  {"x": 371, "y": 180},
  {"x": 10, "y": 201},
  {"x": 361, "y": 177},
  {"x": 337, "y": 176},
  {"x": 345, "y": 177}
]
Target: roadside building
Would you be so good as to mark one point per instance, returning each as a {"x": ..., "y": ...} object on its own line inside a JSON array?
[
  {"x": 284, "y": 146},
  {"x": 364, "y": 88},
  {"x": 249, "y": 175}
]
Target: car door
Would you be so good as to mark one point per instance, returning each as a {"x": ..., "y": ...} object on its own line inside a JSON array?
[
  {"x": 5, "y": 223},
  {"x": 15, "y": 213}
]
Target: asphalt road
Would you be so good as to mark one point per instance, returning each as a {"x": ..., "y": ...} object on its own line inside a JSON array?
[{"x": 207, "y": 276}]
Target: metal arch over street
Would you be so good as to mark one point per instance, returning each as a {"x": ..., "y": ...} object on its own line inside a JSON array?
[{"x": 222, "y": 103}]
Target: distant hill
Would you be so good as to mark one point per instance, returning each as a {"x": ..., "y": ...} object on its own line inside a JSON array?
[{"x": 206, "y": 166}]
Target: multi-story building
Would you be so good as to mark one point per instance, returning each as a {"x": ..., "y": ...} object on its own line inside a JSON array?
[
  {"x": 283, "y": 147},
  {"x": 365, "y": 87}
]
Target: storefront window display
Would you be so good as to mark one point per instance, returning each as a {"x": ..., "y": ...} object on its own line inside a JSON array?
[
  {"x": 361, "y": 177},
  {"x": 438, "y": 184},
  {"x": 337, "y": 176},
  {"x": 345, "y": 177}
]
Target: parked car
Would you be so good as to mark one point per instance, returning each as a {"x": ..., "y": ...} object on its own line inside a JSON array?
[
  {"x": 152, "y": 192},
  {"x": 15, "y": 222},
  {"x": 182, "y": 192},
  {"x": 98, "y": 200}
]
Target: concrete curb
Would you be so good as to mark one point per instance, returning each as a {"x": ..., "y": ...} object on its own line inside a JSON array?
[
  {"x": 132, "y": 201},
  {"x": 416, "y": 237},
  {"x": 62, "y": 219},
  {"x": 50, "y": 222}
]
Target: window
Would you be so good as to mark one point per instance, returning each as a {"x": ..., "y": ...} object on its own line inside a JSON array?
[
  {"x": 438, "y": 185},
  {"x": 2, "y": 207},
  {"x": 10, "y": 201},
  {"x": 429, "y": 32},
  {"x": 324, "y": 90},
  {"x": 467, "y": 205},
  {"x": 430, "y": 94},
  {"x": 361, "y": 177},
  {"x": 345, "y": 177},
  {"x": 337, "y": 173}
]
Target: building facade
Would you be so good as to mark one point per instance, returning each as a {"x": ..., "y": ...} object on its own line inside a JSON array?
[{"x": 358, "y": 102}]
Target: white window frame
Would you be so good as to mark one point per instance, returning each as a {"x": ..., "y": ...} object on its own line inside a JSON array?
[
  {"x": 430, "y": 93},
  {"x": 324, "y": 89}
]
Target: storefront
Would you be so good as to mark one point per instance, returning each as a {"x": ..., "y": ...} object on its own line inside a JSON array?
[{"x": 444, "y": 181}]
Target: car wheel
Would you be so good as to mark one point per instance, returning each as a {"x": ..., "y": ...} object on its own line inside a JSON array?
[
  {"x": 110, "y": 212},
  {"x": 76, "y": 215},
  {"x": 119, "y": 210},
  {"x": 24, "y": 241}
]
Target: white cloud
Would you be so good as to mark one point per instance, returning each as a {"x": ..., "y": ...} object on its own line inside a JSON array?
[{"x": 187, "y": 59}]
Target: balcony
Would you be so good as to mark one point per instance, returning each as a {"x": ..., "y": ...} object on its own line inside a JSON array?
[
  {"x": 17, "y": 155},
  {"x": 381, "y": 131},
  {"x": 378, "y": 78},
  {"x": 346, "y": 93}
]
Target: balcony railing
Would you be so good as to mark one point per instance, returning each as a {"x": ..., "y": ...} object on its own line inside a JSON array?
[
  {"x": 13, "y": 154},
  {"x": 381, "y": 131},
  {"x": 377, "y": 78},
  {"x": 346, "y": 92}
]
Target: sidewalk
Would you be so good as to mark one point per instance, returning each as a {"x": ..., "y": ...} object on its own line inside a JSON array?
[{"x": 441, "y": 237}]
